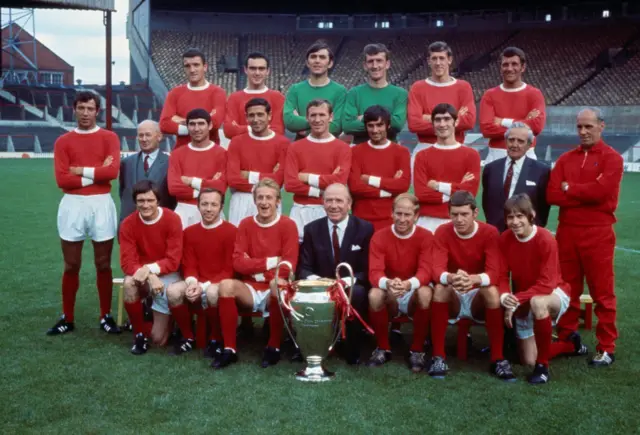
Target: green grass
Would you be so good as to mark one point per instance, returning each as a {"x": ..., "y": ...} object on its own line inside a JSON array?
[{"x": 87, "y": 382}]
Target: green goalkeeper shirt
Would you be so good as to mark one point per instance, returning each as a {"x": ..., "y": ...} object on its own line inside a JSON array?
[
  {"x": 363, "y": 96},
  {"x": 301, "y": 93}
]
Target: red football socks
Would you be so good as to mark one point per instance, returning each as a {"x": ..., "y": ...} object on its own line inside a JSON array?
[
  {"x": 105, "y": 290},
  {"x": 70, "y": 285},
  {"x": 561, "y": 347},
  {"x": 380, "y": 323},
  {"x": 276, "y": 323},
  {"x": 136, "y": 317},
  {"x": 420, "y": 329},
  {"x": 495, "y": 331},
  {"x": 183, "y": 318},
  {"x": 214, "y": 323},
  {"x": 228, "y": 312},
  {"x": 542, "y": 328},
  {"x": 439, "y": 323}
]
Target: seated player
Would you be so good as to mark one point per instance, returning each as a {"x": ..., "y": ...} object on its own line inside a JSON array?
[
  {"x": 150, "y": 253},
  {"x": 400, "y": 270},
  {"x": 313, "y": 163},
  {"x": 466, "y": 264},
  {"x": 252, "y": 156},
  {"x": 443, "y": 169},
  {"x": 200, "y": 164},
  {"x": 206, "y": 260},
  {"x": 379, "y": 170},
  {"x": 540, "y": 296},
  {"x": 261, "y": 243}
]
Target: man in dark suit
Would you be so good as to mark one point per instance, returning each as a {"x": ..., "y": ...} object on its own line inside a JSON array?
[
  {"x": 150, "y": 163},
  {"x": 339, "y": 237},
  {"x": 516, "y": 173}
]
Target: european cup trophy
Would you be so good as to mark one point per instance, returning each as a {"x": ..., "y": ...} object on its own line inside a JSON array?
[{"x": 316, "y": 308}]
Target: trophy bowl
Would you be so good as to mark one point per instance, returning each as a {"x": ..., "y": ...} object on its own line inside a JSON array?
[{"x": 314, "y": 318}]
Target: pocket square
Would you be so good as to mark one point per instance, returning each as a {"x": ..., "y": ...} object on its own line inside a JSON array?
[
  {"x": 355, "y": 247},
  {"x": 530, "y": 183}
]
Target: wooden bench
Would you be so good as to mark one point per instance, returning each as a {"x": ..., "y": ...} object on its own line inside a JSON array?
[{"x": 587, "y": 312}]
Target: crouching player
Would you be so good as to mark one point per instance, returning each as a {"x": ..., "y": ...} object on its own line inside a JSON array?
[
  {"x": 150, "y": 253},
  {"x": 262, "y": 242},
  {"x": 399, "y": 269},
  {"x": 540, "y": 295},
  {"x": 206, "y": 260},
  {"x": 466, "y": 265}
]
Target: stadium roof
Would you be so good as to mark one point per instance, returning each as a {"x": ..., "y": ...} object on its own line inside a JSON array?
[{"x": 91, "y": 5}]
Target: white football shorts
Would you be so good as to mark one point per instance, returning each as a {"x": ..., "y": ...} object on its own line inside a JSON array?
[{"x": 80, "y": 216}]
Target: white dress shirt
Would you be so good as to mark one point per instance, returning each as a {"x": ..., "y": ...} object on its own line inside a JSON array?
[
  {"x": 341, "y": 230},
  {"x": 152, "y": 156},
  {"x": 517, "y": 168}
]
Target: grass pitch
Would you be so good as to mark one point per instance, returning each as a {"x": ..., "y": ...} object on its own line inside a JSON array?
[{"x": 88, "y": 382}]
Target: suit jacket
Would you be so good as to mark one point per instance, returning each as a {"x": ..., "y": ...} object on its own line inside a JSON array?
[
  {"x": 316, "y": 253},
  {"x": 533, "y": 181},
  {"x": 129, "y": 176}
]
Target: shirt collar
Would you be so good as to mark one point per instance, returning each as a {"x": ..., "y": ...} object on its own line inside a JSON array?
[
  {"x": 518, "y": 163},
  {"x": 198, "y": 88},
  {"x": 152, "y": 155},
  {"x": 270, "y": 224},
  {"x": 534, "y": 231},
  {"x": 468, "y": 236},
  {"x": 152, "y": 221},
  {"x": 447, "y": 147},
  {"x": 93, "y": 130},
  {"x": 407, "y": 236},
  {"x": 216, "y": 224},
  {"x": 325, "y": 140},
  {"x": 518, "y": 89},
  {"x": 207, "y": 148},
  {"x": 342, "y": 225},
  {"x": 267, "y": 137},
  {"x": 441, "y": 85},
  {"x": 379, "y": 147},
  {"x": 255, "y": 91},
  {"x": 596, "y": 148}
]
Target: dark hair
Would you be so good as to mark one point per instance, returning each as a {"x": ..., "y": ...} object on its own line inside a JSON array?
[
  {"x": 462, "y": 198},
  {"x": 373, "y": 113},
  {"x": 319, "y": 102},
  {"x": 194, "y": 52},
  {"x": 514, "y": 51},
  {"x": 519, "y": 203},
  {"x": 444, "y": 108},
  {"x": 373, "y": 49},
  {"x": 86, "y": 96},
  {"x": 257, "y": 102},
  {"x": 317, "y": 46},
  {"x": 211, "y": 190},
  {"x": 438, "y": 47},
  {"x": 256, "y": 55},
  {"x": 144, "y": 186},
  {"x": 198, "y": 114}
]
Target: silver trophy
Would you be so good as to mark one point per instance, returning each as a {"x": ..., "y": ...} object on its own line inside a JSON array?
[{"x": 311, "y": 305}]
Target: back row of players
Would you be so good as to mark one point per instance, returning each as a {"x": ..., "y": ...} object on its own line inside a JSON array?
[{"x": 376, "y": 172}]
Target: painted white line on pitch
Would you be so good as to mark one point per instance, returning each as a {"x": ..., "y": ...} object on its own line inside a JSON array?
[{"x": 633, "y": 251}]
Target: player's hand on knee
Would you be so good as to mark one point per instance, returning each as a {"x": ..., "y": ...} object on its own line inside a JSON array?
[
  {"x": 192, "y": 293},
  {"x": 509, "y": 302},
  {"x": 156, "y": 284},
  {"x": 141, "y": 274}
]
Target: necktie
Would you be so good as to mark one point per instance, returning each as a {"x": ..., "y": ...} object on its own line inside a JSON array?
[
  {"x": 508, "y": 178},
  {"x": 146, "y": 164},
  {"x": 336, "y": 245}
]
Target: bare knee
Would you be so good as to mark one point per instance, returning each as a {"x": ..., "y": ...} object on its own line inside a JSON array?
[
  {"x": 423, "y": 296},
  {"x": 175, "y": 293},
  {"x": 130, "y": 289},
  {"x": 491, "y": 296},
  {"x": 212, "y": 295},
  {"x": 226, "y": 288},
  {"x": 539, "y": 307},
  {"x": 441, "y": 293},
  {"x": 376, "y": 299}
]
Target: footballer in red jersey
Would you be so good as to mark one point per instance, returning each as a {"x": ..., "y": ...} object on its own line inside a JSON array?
[
  {"x": 379, "y": 170},
  {"x": 197, "y": 93},
  {"x": 200, "y": 164},
  {"x": 150, "y": 254},
  {"x": 206, "y": 260},
  {"x": 253, "y": 156},
  {"x": 400, "y": 274},
  {"x": 262, "y": 242},
  {"x": 466, "y": 266},
  {"x": 85, "y": 161},
  {"x": 540, "y": 297}
]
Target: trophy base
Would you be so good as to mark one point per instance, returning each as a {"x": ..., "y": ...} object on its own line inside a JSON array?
[{"x": 315, "y": 374}]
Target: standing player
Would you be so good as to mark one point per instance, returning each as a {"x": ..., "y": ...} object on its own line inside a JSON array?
[
  {"x": 443, "y": 169},
  {"x": 261, "y": 243},
  {"x": 313, "y": 163},
  {"x": 85, "y": 161},
  {"x": 200, "y": 164},
  {"x": 256, "y": 67},
  {"x": 206, "y": 260},
  {"x": 530, "y": 255},
  {"x": 377, "y": 91},
  {"x": 197, "y": 93},
  {"x": 253, "y": 156},
  {"x": 318, "y": 86},
  {"x": 150, "y": 252},
  {"x": 438, "y": 88},
  {"x": 512, "y": 101},
  {"x": 379, "y": 170},
  {"x": 466, "y": 264},
  {"x": 585, "y": 184},
  {"x": 400, "y": 273}
]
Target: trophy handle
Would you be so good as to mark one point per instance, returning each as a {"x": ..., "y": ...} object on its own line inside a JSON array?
[
  {"x": 281, "y": 300},
  {"x": 347, "y": 297}
]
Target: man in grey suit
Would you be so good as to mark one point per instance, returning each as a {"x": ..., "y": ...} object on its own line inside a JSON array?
[
  {"x": 516, "y": 173},
  {"x": 150, "y": 164}
]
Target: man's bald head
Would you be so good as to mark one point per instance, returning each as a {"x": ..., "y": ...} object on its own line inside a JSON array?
[
  {"x": 590, "y": 124},
  {"x": 149, "y": 135},
  {"x": 337, "y": 202}
]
